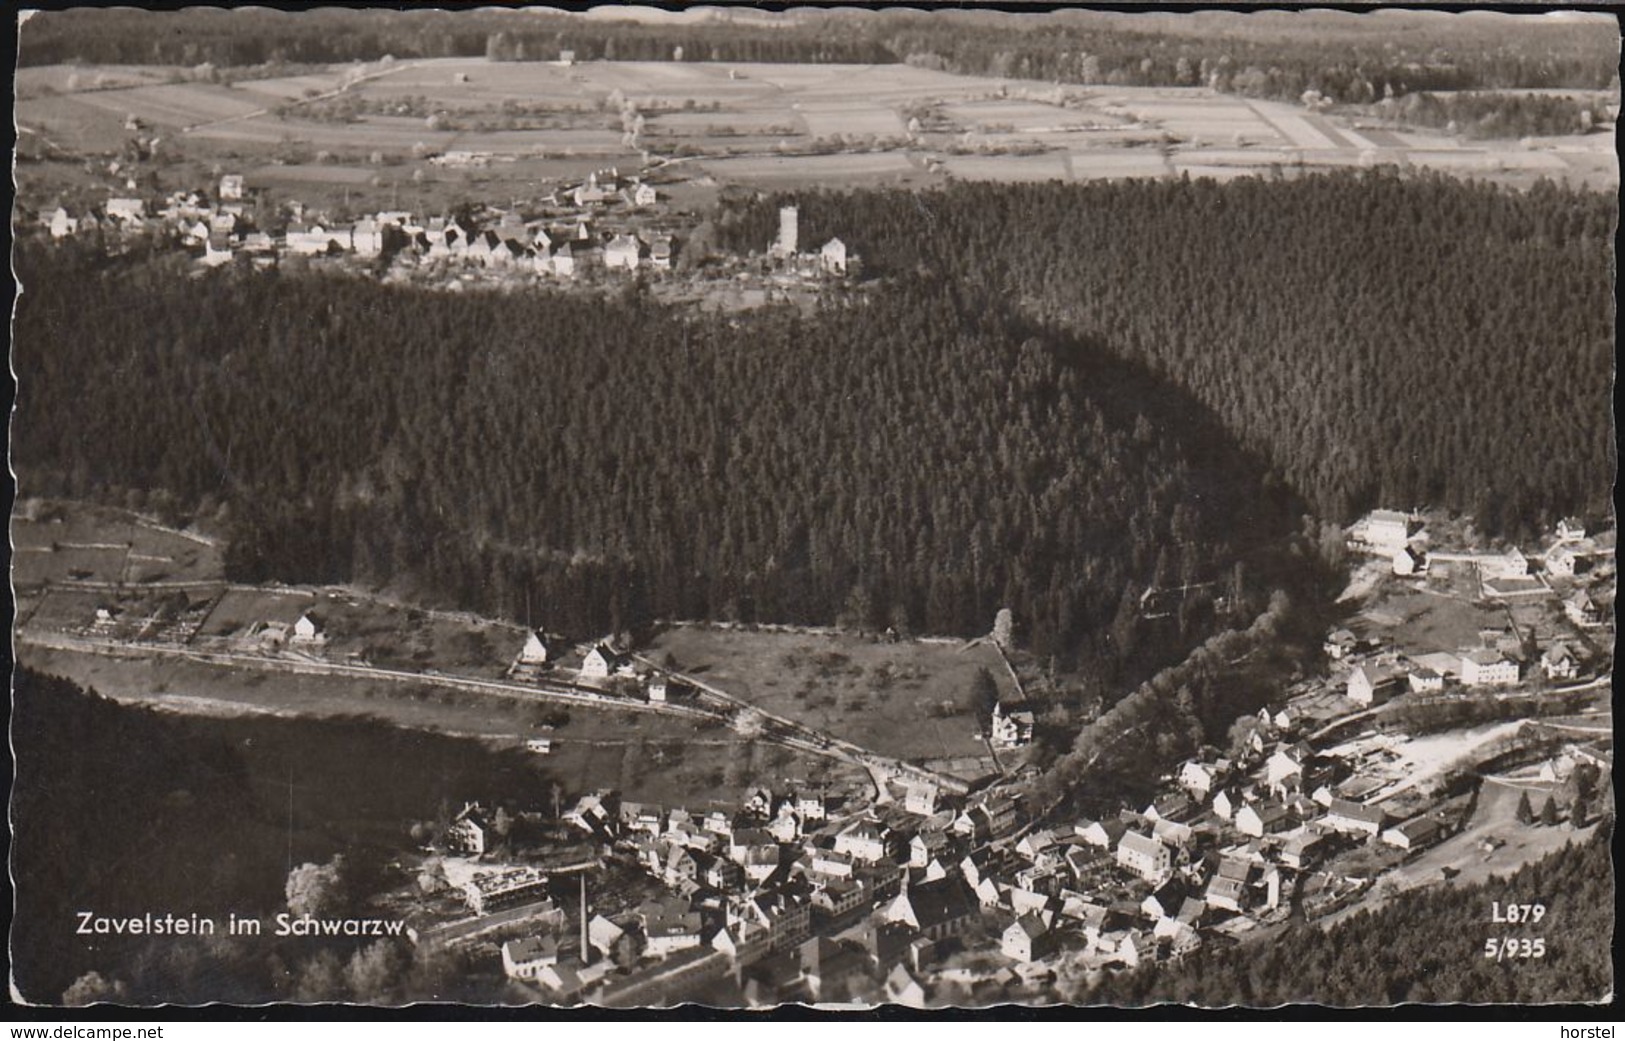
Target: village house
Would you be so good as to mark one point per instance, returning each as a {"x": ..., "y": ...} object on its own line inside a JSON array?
[
  {"x": 1304, "y": 850},
  {"x": 523, "y": 959},
  {"x": 1488, "y": 668},
  {"x": 129, "y": 211},
  {"x": 1144, "y": 855},
  {"x": 927, "y": 846},
  {"x": 669, "y": 926},
  {"x": 1027, "y": 939},
  {"x": 308, "y": 628},
  {"x": 1559, "y": 663},
  {"x": 1410, "y": 560},
  {"x": 1581, "y": 609},
  {"x": 862, "y": 840},
  {"x": 602, "y": 935},
  {"x": 1339, "y": 643},
  {"x": 535, "y": 652},
  {"x": 903, "y": 989},
  {"x": 231, "y": 187},
  {"x": 660, "y": 252},
  {"x": 602, "y": 662},
  {"x": 1387, "y": 529},
  {"x": 1011, "y": 729},
  {"x": 1414, "y": 834},
  {"x": 563, "y": 261},
  {"x": 61, "y": 224},
  {"x": 920, "y": 799},
  {"x": 1424, "y": 680},
  {"x": 622, "y": 252},
  {"x": 1199, "y": 778},
  {"x": 1286, "y": 766},
  {"x": 1367, "y": 682},
  {"x": 1268, "y": 818},
  {"x": 936, "y": 910},
  {"x": 1511, "y": 564},
  {"x": 469, "y": 831},
  {"x": 1104, "y": 834},
  {"x": 1351, "y": 817},
  {"x": 1571, "y": 529},
  {"x": 833, "y": 257},
  {"x": 810, "y": 804}
]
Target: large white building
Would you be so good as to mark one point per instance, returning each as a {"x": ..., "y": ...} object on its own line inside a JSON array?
[{"x": 1487, "y": 668}]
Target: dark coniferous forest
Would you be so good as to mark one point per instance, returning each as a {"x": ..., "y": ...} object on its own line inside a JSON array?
[
  {"x": 1380, "y": 340},
  {"x": 1043, "y": 420},
  {"x": 910, "y": 457}
]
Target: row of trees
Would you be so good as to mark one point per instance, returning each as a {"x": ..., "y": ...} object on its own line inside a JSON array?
[
  {"x": 1355, "y": 60},
  {"x": 1375, "y": 338}
]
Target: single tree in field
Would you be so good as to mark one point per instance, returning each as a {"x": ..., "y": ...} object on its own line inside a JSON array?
[
  {"x": 1548, "y": 811},
  {"x": 1525, "y": 813},
  {"x": 1577, "y": 812}
]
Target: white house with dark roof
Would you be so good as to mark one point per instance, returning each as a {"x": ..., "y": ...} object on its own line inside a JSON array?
[
  {"x": 1144, "y": 855},
  {"x": 1488, "y": 668},
  {"x": 1559, "y": 663},
  {"x": 1571, "y": 529},
  {"x": 535, "y": 651},
  {"x": 524, "y": 959},
  {"x": 1352, "y": 817},
  {"x": 603, "y": 662}
]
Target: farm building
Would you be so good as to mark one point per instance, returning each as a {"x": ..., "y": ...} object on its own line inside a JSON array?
[
  {"x": 1571, "y": 529},
  {"x": 1366, "y": 682},
  {"x": 1424, "y": 680},
  {"x": 1414, "y": 834}
]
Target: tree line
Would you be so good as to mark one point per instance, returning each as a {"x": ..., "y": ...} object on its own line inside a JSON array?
[
  {"x": 1272, "y": 55},
  {"x": 1376, "y": 338}
]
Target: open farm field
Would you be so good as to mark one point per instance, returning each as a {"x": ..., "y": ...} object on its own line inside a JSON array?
[
  {"x": 909, "y": 700},
  {"x": 238, "y": 610},
  {"x": 1422, "y": 623},
  {"x": 41, "y": 80},
  {"x": 757, "y": 105},
  {"x": 81, "y": 542},
  {"x": 837, "y": 169},
  {"x": 1051, "y": 166}
]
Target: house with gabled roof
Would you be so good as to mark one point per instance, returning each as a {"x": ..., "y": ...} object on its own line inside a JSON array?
[
  {"x": 603, "y": 661},
  {"x": 536, "y": 650},
  {"x": 935, "y": 909},
  {"x": 1104, "y": 833},
  {"x": 1345, "y": 815},
  {"x": 1027, "y": 939},
  {"x": 1416, "y": 833},
  {"x": 1265, "y": 818},
  {"x": 1488, "y": 668},
  {"x": 524, "y": 958},
  {"x": 1581, "y": 609},
  {"x": 1144, "y": 855},
  {"x": 1559, "y": 663}
]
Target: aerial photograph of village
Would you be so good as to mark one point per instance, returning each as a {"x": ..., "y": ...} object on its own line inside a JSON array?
[{"x": 724, "y": 508}]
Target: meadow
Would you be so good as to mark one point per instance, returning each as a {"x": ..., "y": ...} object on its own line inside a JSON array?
[{"x": 733, "y": 121}]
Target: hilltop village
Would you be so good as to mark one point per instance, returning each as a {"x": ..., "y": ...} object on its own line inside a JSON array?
[
  {"x": 604, "y": 226},
  {"x": 1464, "y": 678}
]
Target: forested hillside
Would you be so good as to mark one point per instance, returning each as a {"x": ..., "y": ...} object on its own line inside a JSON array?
[
  {"x": 123, "y": 811},
  {"x": 1350, "y": 58},
  {"x": 1426, "y": 945},
  {"x": 913, "y": 457},
  {"x": 1379, "y": 339}
]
